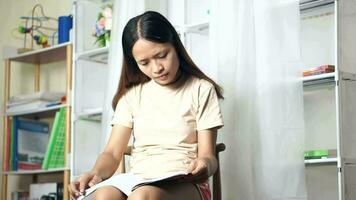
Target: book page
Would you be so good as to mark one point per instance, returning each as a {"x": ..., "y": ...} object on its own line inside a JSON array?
[
  {"x": 127, "y": 182},
  {"x": 124, "y": 182}
]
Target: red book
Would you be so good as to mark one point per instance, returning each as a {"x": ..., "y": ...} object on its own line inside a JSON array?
[
  {"x": 7, "y": 145},
  {"x": 319, "y": 70},
  {"x": 28, "y": 166}
]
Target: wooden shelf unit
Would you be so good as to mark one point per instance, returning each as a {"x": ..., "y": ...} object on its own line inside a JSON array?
[{"x": 62, "y": 52}]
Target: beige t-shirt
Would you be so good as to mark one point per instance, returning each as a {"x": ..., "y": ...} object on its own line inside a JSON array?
[{"x": 165, "y": 122}]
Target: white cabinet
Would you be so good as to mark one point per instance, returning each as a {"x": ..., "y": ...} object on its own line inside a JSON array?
[
  {"x": 330, "y": 99},
  {"x": 90, "y": 72},
  {"x": 191, "y": 19}
]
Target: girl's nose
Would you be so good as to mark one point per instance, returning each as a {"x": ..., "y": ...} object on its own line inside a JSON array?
[{"x": 157, "y": 68}]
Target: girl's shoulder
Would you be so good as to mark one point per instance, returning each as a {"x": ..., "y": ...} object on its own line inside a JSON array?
[
  {"x": 133, "y": 92},
  {"x": 200, "y": 84}
]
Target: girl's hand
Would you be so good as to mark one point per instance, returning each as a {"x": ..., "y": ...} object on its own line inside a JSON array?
[
  {"x": 199, "y": 170},
  {"x": 77, "y": 187}
]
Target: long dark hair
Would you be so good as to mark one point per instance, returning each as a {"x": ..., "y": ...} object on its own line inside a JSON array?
[{"x": 154, "y": 27}]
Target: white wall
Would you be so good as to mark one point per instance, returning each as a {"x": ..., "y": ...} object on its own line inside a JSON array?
[{"x": 10, "y": 12}]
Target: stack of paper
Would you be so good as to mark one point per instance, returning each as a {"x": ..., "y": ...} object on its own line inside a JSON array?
[{"x": 32, "y": 102}]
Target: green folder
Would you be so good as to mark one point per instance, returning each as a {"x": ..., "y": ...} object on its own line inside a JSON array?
[
  {"x": 316, "y": 154},
  {"x": 54, "y": 157}
]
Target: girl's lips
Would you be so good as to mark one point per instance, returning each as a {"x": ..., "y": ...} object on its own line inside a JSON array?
[{"x": 163, "y": 77}]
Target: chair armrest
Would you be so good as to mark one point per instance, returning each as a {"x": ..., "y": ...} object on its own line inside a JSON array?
[
  {"x": 220, "y": 147},
  {"x": 128, "y": 150}
]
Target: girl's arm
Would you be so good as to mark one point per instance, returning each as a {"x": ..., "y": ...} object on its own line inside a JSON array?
[
  {"x": 107, "y": 162},
  {"x": 206, "y": 164}
]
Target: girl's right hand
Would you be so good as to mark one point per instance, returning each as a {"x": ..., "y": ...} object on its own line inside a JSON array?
[{"x": 77, "y": 187}]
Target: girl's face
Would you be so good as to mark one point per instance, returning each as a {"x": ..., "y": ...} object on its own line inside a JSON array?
[{"x": 159, "y": 61}]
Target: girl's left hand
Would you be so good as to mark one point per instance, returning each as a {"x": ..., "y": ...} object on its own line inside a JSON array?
[{"x": 199, "y": 170}]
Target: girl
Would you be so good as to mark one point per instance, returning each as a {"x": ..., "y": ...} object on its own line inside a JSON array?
[{"x": 170, "y": 107}]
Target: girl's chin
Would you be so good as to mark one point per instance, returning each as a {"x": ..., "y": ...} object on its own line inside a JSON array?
[
  {"x": 165, "y": 80},
  {"x": 162, "y": 82}
]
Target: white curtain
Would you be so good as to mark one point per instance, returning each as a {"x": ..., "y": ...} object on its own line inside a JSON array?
[
  {"x": 255, "y": 57},
  {"x": 124, "y": 10}
]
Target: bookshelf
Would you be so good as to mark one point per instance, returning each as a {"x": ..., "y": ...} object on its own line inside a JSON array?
[
  {"x": 329, "y": 99},
  {"x": 47, "y": 111},
  {"x": 26, "y": 172},
  {"x": 37, "y": 58}
]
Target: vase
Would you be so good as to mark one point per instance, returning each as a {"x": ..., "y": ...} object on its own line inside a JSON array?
[{"x": 107, "y": 43}]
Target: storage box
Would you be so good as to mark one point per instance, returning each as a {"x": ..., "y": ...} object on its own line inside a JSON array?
[{"x": 48, "y": 191}]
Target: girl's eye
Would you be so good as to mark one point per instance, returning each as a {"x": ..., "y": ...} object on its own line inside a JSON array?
[
  {"x": 143, "y": 63},
  {"x": 162, "y": 55}
]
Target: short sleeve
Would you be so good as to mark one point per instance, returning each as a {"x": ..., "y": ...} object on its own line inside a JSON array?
[
  {"x": 209, "y": 113},
  {"x": 123, "y": 113}
]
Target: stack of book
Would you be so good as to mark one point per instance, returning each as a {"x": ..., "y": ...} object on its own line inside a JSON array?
[
  {"x": 319, "y": 70},
  {"x": 31, "y": 102},
  {"x": 26, "y": 144},
  {"x": 320, "y": 153},
  {"x": 20, "y": 195},
  {"x": 31, "y": 147}
]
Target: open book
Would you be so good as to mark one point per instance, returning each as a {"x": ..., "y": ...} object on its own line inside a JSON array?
[{"x": 128, "y": 182}]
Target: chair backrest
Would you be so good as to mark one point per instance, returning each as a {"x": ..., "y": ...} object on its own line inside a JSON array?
[{"x": 220, "y": 147}]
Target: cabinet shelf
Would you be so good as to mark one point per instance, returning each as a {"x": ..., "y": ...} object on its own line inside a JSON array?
[
  {"x": 99, "y": 55},
  {"x": 321, "y": 161},
  {"x": 330, "y": 161},
  {"x": 309, "y": 4},
  {"x": 349, "y": 160},
  {"x": 197, "y": 28},
  {"x": 23, "y": 172},
  {"x": 91, "y": 115},
  {"x": 321, "y": 79},
  {"x": 99, "y": 2},
  {"x": 42, "y": 56},
  {"x": 42, "y": 111}
]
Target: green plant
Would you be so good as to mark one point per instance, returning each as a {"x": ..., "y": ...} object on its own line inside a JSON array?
[{"x": 103, "y": 25}]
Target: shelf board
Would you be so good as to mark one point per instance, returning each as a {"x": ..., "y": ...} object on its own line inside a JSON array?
[
  {"x": 320, "y": 79},
  {"x": 309, "y": 4},
  {"x": 320, "y": 161},
  {"x": 346, "y": 76},
  {"x": 349, "y": 160},
  {"x": 49, "y": 171},
  {"x": 91, "y": 115},
  {"x": 99, "y": 55},
  {"x": 43, "y": 56},
  {"x": 46, "y": 111},
  {"x": 100, "y": 2},
  {"x": 197, "y": 28}
]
